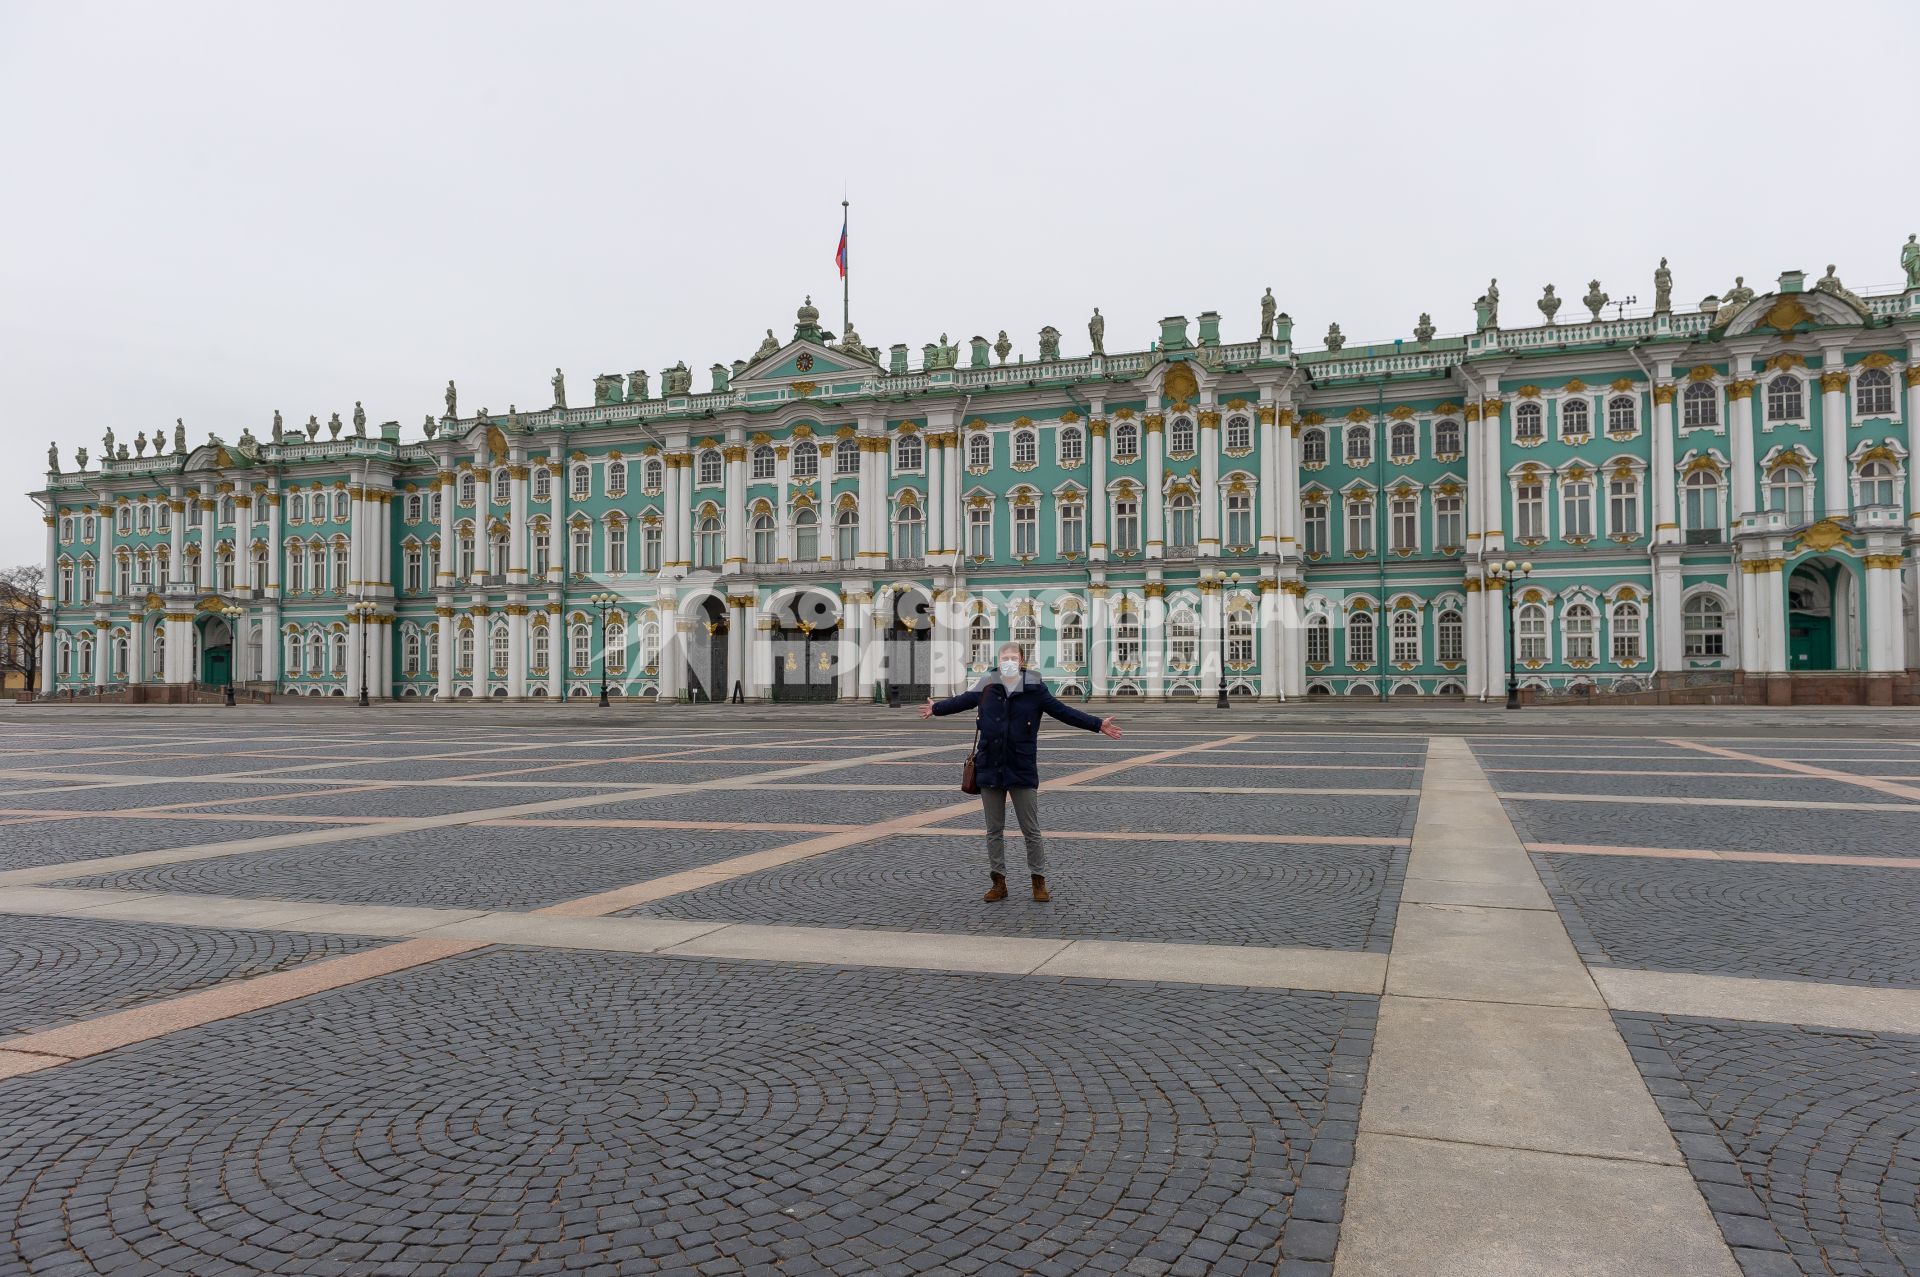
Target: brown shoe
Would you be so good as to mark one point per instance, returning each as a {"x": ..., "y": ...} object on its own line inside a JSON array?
[
  {"x": 999, "y": 889},
  {"x": 1040, "y": 893}
]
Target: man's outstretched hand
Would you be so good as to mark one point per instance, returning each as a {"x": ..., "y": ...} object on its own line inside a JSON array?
[
  {"x": 1110, "y": 727},
  {"x": 926, "y": 711}
]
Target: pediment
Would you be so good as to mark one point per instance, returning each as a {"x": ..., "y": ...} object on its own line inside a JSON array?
[
  {"x": 1784, "y": 312},
  {"x": 805, "y": 361}
]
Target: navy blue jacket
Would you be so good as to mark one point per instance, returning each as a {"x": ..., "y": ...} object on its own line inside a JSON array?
[{"x": 1010, "y": 728}]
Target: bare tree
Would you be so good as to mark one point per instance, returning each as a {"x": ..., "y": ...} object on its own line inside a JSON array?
[{"x": 20, "y": 620}]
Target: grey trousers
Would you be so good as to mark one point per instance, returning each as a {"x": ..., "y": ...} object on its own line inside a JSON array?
[{"x": 1026, "y": 808}]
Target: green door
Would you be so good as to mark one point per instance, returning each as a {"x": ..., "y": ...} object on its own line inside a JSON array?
[
  {"x": 214, "y": 666},
  {"x": 1809, "y": 642}
]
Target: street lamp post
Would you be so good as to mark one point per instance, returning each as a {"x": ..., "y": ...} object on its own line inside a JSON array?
[
  {"x": 362, "y": 612},
  {"x": 1507, "y": 573},
  {"x": 602, "y": 602},
  {"x": 233, "y": 614},
  {"x": 1220, "y": 699}
]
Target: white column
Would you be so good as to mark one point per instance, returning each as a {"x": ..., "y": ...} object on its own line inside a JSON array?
[
  {"x": 359, "y": 537},
  {"x": 517, "y": 528},
  {"x": 516, "y": 651},
  {"x": 783, "y": 507},
  {"x": 1099, "y": 657},
  {"x": 1476, "y": 646},
  {"x": 1213, "y": 654},
  {"x": 243, "y": 541},
  {"x": 955, "y": 538},
  {"x": 136, "y": 647},
  {"x": 1209, "y": 484},
  {"x": 103, "y": 573},
  {"x": 1267, "y": 503},
  {"x": 1747, "y": 607},
  {"x": 1493, "y": 534},
  {"x": 482, "y": 650},
  {"x": 448, "y": 489},
  {"x": 1153, "y": 638},
  {"x": 270, "y": 636},
  {"x": 761, "y": 658},
  {"x": 736, "y": 511},
  {"x": 1886, "y": 619},
  {"x": 1773, "y": 614},
  {"x": 558, "y": 512},
  {"x": 852, "y": 617},
  {"x": 739, "y": 648},
  {"x": 356, "y": 643},
  {"x": 1155, "y": 499},
  {"x": 1740, "y": 445},
  {"x": 176, "y": 539},
  {"x": 1913, "y": 436},
  {"x": 47, "y": 634},
  {"x": 1666, "y": 529},
  {"x": 209, "y": 539},
  {"x": 1267, "y": 619},
  {"x": 672, "y": 648},
  {"x": 443, "y": 637},
  {"x": 556, "y": 652},
  {"x": 1096, "y": 512},
  {"x": 874, "y": 507},
  {"x": 102, "y": 656},
  {"x": 1287, "y": 472},
  {"x": 1476, "y": 489},
  {"x": 1835, "y": 490},
  {"x": 678, "y": 517},
  {"x": 482, "y": 534},
  {"x": 1669, "y": 640},
  {"x": 1494, "y": 601}
]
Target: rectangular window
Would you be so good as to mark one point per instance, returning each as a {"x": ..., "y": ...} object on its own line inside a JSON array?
[
  {"x": 617, "y": 547},
  {"x": 979, "y": 532},
  {"x": 1576, "y": 509},
  {"x": 1359, "y": 525},
  {"x": 650, "y": 548},
  {"x": 1530, "y": 512},
  {"x": 1406, "y": 524},
  {"x": 582, "y": 551},
  {"x": 542, "y": 552},
  {"x": 1623, "y": 507},
  {"x": 1450, "y": 638},
  {"x": 1073, "y": 528},
  {"x": 1126, "y": 526},
  {"x": 413, "y": 570},
  {"x": 1319, "y": 642},
  {"x": 1447, "y": 523},
  {"x": 1314, "y": 526},
  {"x": 1240, "y": 520},
  {"x": 1026, "y": 530}
]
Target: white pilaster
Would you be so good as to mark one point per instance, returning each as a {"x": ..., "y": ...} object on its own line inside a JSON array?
[
  {"x": 1835, "y": 489},
  {"x": 1210, "y": 495},
  {"x": 1154, "y": 500}
]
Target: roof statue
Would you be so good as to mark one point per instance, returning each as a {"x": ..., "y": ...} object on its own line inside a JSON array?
[
  {"x": 513, "y": 418},
  {"x": 1595, "y": 300},
  {"x": 1910, "y": 261},
  {"x": 1335, "y": 338},
  {"x": 767, "y": 347},
  {"x": 1739, "y": 294},
  {"x": 106, "y": 443},
  {"x": 806, "y": 322},
  {"x": 431, "y": 427},
  {"x": 606, "y": 388},
  {"x": 1002, "y": 347},
  {"x": 1424, "y": 330},
  {"x": 1662, "y": 288},
  {"x": 333, "y": 426},
  {"x": 1268, "y": 309},
  {"x": 559, "y": 389},
  {"x": 179, "y": 435},
  {"x": 1049, "y": 344},
  {"x": 1097, "y": 332},
  {"x": 677, "y": 380},
  {"x": 122, "y": 454},
  {"x": 359, "y": 420},
  {"x": 313, "y": 426},
  {"x": 249, "y": 446},
  {"x": 159, "y": 442},
  {"x": 1830, "y": 283},
  {"x": 637, "y": 384},
  {"x": 852, "y": 344},
  {"x": 452, "y": 400},
  {"x": 1493, "y": 303},
  {"x": 53, "y": 458},
  {"x": 277, "y": 428}
]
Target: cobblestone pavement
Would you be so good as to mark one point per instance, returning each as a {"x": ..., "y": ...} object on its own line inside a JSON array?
[
  {"x": 379, "y": 1034},
  {"x": 1806, "y": 1144},
  {"x": 1191, "y": 893},
  {"x": 658, "y": 1115},
  {"x": 58, "y": 969}
]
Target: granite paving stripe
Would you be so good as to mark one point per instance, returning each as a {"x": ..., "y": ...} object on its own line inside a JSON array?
[
  {"x": 1806, "y": 769},
  {"x": 1688, "y": 787},
  {"x": 40, "y": 843},
  {"x": 1840, "y": 924},
  {"x": 178, "y": 793},
  {"x": 1735, "y": 829},
  {"x": 1805, "y": 1143},
  {"x": 1387, "y": 815},
  {"x": 830, "y": 805},
  {"x": 616, "y": 1127},
  {"x": 417, "y": 800},
  {"x": 467, "y": 866},
  {"x": 1701, "y": 853},
  {"x": 1808, "y": 1003},
  {"x": 54, "y": 970},
  {"x": 1703, "y": 800},
  {"x": 1220, "y": 894}
]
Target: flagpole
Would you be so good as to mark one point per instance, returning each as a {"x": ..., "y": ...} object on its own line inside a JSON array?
[{"x": 846, "y": 273}]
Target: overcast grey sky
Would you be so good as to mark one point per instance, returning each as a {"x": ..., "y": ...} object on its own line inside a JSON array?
[{"x": 217, "y": 210}]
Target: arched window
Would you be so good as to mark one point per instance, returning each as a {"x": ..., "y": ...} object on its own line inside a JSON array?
[
  {"x": 1405, "y": 631},
  {"x": 1450, "y": 637},
  {"x": 1787, "y": 492},
  {"x": 980, "y": 641},
  {"x": 1239, "y": 433},
  {"x": 542, "y": 485},
  {"x": 1359, "y": 445},
  {"x": 1126, "y": 636},
  {"x": 337, "y": 654},
  {"x": 1073, "y": 640},
  {"x": 710, "y": 542},
  {"x": 1240, "y": 637},
  {"x": 979, "y": 450},
  {"x": 502, "y": 486},
  {"x": 340, "y": 507},
  {"x": 542, "y": 648},
  {"x": 1699, "y": 405},
  {"x": 846, "y": 457},
  {"x": 463, "y": 650},
  {"x": 1626, "y": 631},
  {"x": 1319, "y": 639},
  {"x": 1873, "y": 393},
  {"x": 1026, "y": 632},
  {"x": 582, "y": 482},
  {"x": 499, "y": 648},
  {"x": 1877, "y": 485},
  {"x": 296, "y": 570},
  {"x": 763, "y": 538},
  {"x": 1530, "y": 621},
  {"x": 580, "y": 648},
  {"x": 652, "y": 475},
  {"x": 763, "y": 461},
  {"x": 296, "y": 659},
  {"x": 85, "y": 669},
  {"x": 806, "y": 535},
  {"x": 1401, "y": 441},
  {"x": 616, "y": 649},
  {"x": 1180, "y": 436},
  {"x": 806, "y": 459},
  {"x": 616, "y": 478},
  {"x": 413, "y": 508},
  {"x": 1183, "y": 640},
  {"x": 410, "y": 652},
  {"x": 1703, "y": 626},
  {"x": 1026, "y": 448},
  {"x": 1622, "y": 415},
  {"x": 846, "y": 534},
  {"x": 1580, "y": 632},
  {"x": 466, "y": 488},
  {"x": 1360, "y": 645},
  {"x": 1785, "y": 398},
  {"x": 1446, "y": 437},
  {"x": 146, "y": 517},
  {"x": 1576, "y": 418},
  {"x": 909, "y": 533},
  {"x": 1182, "y": 531},
  {"x": 1703, "y": 500},
  {"x": 1072, "y": 445},
  {"x": 1528, "y": 421},
  {"x": 650, "y": 647},
  {"x": 909, "y": 454},
  {"x": 1313, "y": 446},
  {"x": 1126, "y": 441},
  {"x": 712, "y": 467}
]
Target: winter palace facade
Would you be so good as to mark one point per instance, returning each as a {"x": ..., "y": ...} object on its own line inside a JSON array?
[{"x": 1714, "y": 494}]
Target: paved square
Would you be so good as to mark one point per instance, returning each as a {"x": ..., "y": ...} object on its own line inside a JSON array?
[{"x": 1323, "y": 991}]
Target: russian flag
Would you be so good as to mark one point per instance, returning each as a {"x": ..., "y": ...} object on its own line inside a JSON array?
[{"x": 840, "y": 254}]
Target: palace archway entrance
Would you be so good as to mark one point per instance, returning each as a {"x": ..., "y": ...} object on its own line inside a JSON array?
[{"x": 806, "y": 648}]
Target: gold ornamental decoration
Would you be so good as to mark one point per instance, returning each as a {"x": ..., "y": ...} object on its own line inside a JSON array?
[
  {"x": 1833, "y": 382},
  {"x": 1822, "y": 536},
  {"x": 803, "y": 388}
]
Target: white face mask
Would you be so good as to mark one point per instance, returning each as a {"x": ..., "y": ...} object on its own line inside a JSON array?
[{"x": 1009, "y": 668}]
